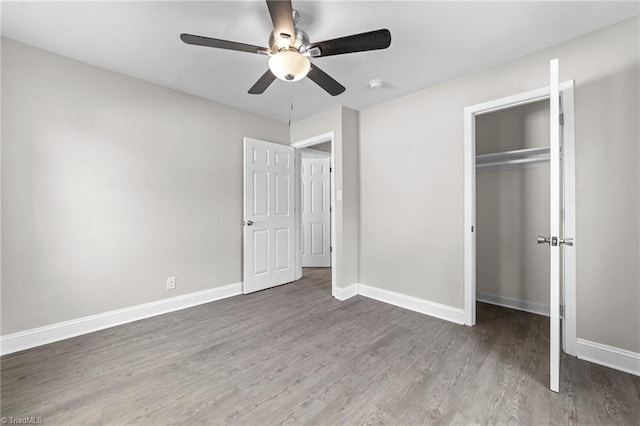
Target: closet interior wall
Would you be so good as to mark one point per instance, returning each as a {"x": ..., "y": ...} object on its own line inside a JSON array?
[{"x": 512, "y": 209}]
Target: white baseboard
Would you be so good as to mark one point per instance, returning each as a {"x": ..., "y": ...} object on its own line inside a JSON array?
[
  {"x": 345, "y": 293},
  {"x": 64, "y": 330},
  {"x": 507, "y": 302},
  {"x": 412, "y": 303},
  {"x": 609, "y": 356}
]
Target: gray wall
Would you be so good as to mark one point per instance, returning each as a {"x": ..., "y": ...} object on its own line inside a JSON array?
[
  {"x": 325, "y": 147},
  {"x": 525, "y": 126},
  {"x": 344, "y": 123},
  {"x": 510, "y": 214},
  {"x": 314, "y": 153},
  {"x": 411, "y": 162},
  {"x": 512, "y": 208},
  {"x": 110, "y": 185},
  {"x": 351, "y": 193}
]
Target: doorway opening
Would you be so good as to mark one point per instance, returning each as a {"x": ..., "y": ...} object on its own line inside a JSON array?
[
  {"x": 512, "y": 207},
  {"x": 489, "y": 166},
  {"x": 315, "y": 213}
]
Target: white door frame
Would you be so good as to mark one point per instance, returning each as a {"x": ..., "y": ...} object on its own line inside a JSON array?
[
  {"x": 335, "y": 244},
  {"x": 569, "y": 224}
]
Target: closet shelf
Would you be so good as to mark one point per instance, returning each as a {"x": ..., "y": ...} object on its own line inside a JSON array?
[{"x": 512, "y": 160}]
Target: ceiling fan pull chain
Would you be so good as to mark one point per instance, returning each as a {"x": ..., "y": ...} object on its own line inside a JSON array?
[{"x": 290, "y": 106}]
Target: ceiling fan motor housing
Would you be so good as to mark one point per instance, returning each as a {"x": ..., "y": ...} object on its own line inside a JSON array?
[{"x": 300, "y": 43}]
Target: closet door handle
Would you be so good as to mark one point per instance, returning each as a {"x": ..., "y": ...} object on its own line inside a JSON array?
[
  {"x": 567, "y": 241},
  {"x": 543, "y": 240}
]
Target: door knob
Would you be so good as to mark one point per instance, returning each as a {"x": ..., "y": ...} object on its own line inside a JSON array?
[
  {"x": 543, "y": 240},
  {"x": 567, "y": 241},
  {"x": 249, "y": 223}
]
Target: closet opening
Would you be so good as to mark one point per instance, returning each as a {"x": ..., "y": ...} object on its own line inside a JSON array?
[
  {"x": 512, "y": 209},
  {"x": 507, "y": 207}
]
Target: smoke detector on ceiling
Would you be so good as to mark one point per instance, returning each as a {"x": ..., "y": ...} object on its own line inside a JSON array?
[{"x": 375, "y": 83}]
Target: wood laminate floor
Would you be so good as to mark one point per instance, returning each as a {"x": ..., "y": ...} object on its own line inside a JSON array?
[{"x": 294, "y": 355}]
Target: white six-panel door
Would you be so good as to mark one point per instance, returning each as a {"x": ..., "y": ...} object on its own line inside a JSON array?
[
  {"x": 269, "y": 221},
  {"x": 316, "y": 216}
]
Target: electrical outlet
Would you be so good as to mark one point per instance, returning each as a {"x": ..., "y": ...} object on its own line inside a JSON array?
[{"x": 171, "y": 283}]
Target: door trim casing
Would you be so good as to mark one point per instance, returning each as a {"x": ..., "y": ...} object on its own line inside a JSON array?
[
  {"x": 335, "y": 244},
  {"x": 568, "y": 201}
]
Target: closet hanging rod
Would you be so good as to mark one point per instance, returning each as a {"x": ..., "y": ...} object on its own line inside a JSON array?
[{"x": 512, "y": 160}]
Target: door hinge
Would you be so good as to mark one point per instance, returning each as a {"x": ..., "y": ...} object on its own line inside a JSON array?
[
  {"x": 330, "y": 209},
  {"x": 330, "y": 249},
  {"x": 330, "y": 169},
  {"x": 471, "y": 228},
  {"x": 562, "y": 119},
  {"x": 562, "y": 310}
]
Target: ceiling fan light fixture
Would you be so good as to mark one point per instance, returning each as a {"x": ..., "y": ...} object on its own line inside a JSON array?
[{"x": 289, "y": 65}]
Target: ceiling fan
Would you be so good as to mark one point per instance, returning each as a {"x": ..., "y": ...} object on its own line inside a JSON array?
[{"x": 290, "y": 49}]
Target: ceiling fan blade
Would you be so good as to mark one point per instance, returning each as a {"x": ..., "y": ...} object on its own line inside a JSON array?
[
  {"x": 221, "y": 44},
  {"x": 263, "y": 83},
  {"x": 372, "y": 40},
  {"x": 325, "y": 81},
  {"x": 282, "y": 17}
]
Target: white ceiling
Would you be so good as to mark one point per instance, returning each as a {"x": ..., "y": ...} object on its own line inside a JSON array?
[{"x": 431, "y": 42}]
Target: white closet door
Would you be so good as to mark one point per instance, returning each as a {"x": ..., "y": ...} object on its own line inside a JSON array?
[
  {"x": 316, "y": 217},
  {"x": 269, "y": 222},
  {"x": 554, "y": 231}
]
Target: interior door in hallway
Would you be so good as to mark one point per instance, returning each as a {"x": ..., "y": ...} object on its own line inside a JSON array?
[
  {"x": 269, "y": 221},
  {"x": 316, "y": 217}
]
